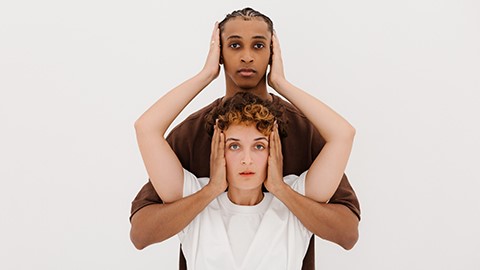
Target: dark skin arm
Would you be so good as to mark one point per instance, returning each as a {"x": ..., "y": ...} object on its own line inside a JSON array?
[
  {"x": 332, "y": 222},
  {"x": 158, "y": 222}
]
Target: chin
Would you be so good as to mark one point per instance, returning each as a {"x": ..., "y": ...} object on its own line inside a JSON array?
[
  {"x": 248, "y": 186},
  {"x": 247, "y": 83},
  {"x": 247, "y": 86}
]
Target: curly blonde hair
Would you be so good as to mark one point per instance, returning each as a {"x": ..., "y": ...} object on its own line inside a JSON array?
[
  {"x": 249, "y": 109},
  {"x": 251, "y": 114}
]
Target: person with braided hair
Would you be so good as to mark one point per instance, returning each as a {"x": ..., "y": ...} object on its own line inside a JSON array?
[{"x": 245, "y": 44}]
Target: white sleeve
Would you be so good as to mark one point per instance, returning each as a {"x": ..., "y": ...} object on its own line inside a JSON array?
[
  {"x": 192, "y": 184},
  {"x": 297, "y": 183}
]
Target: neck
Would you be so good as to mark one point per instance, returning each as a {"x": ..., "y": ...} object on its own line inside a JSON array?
[
  {"x": 259, "y": 90},
  {"x": 245, "y": 197}
]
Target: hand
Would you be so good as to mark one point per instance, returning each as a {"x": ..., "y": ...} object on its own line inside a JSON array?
[
  {"x": 218, "y": 175},
  {"x": 274, "y": 179},
  {"x": 212, "y": 64},
  {"x": 276, "y": 68}
]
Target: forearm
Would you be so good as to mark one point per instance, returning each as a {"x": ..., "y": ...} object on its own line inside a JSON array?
[
  {"x": 150, "y": 129},
  {"x": 326, "y": 171},
  {"x": 161, "y": 114},
  {"x": 158, "y": 222},
  {"x": 330, "y": 124},
  {"x": 332, "y": 222}
]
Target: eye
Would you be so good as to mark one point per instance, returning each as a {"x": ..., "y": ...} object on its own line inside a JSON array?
[
  {"x": 233, "y": 146},
  {"x": 259, "y": 46},
  {"x": 259, "y": 147},
  {"x": 234, "y": 45}
]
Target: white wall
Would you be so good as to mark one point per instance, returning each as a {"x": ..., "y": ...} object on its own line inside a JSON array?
[{"x": 74, "y": 75}]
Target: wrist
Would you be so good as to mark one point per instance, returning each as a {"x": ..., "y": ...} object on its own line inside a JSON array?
[
  {"x": 205, "y": 76},
  {"x": 208, "y": 74},
  {"x": 213, "y": 189},
  {"x": 279, "y": 83},
  {"x": 278, "y": 189}
]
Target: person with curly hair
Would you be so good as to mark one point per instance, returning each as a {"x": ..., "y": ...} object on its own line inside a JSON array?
[{"x": 275, "y": 172}]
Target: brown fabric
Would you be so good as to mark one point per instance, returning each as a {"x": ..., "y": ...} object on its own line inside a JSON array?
[{"x": 191, "y": 143}]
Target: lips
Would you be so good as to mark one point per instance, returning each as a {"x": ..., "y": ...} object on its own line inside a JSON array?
[
  {"x": 246, "y": 72},
  {"x": 247, "y": 173}
]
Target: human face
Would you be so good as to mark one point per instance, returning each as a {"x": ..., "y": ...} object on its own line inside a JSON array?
[
  {"x": 246, "y": 156},
  {"x": 246, "y": 53}
]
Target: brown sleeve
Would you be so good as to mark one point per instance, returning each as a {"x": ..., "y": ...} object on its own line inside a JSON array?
[{"x": 146, "y": 196}]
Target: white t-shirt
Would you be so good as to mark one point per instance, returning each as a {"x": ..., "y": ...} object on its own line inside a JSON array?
[{"x": 229, "y": 236}]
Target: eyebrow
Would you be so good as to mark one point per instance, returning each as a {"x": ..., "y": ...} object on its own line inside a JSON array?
[
  {"x": 239, "y": 37},
  {"x": 237, "y": 140}
]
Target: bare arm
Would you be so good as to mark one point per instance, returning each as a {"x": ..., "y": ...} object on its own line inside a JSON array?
[
  {"x": 331, "y": 222},
  {"x": 158, "y": 222},
  {"x": 152, "y": 125},
  {"x": 325, "y": 173}
]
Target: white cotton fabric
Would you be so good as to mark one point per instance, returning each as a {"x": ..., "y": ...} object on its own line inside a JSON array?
[{"x": 229, "y": 236}]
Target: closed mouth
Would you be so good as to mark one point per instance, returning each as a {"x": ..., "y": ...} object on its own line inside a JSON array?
[{"x": 246, "y": 71}]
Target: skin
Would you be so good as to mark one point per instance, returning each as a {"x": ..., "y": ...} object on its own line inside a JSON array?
[
  {"x": 246, "y": 53},
  {"x": 246, "y": 155},
  {"x": 155, "y": 223},
  {"x": 332, "y": 222}
]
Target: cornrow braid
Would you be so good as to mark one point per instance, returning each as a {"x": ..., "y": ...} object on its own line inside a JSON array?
[{"x": 247, "y": 14}]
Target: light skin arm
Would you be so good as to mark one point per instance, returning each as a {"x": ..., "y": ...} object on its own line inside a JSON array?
[
  {"x": 333, "y": 222},
  {"x": 151, "y": 127},
  {"x": 157, "y": 222}
]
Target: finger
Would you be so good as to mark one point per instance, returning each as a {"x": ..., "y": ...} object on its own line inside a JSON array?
[
  {"x": 276, "y": 41},
  {"x": 272, "y": 144},
  {"x": 221, "y": 145},
  {"x": 277, "y": 53},
  {"x": 215, "y": 39},
  {"x": 274, "y": 139},
  {"x": 214, "y": 145},
  {"x": 217, "y": 33},
  {"x": 279, "y": 143}
]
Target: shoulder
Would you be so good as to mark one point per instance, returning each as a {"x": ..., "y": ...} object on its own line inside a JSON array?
[
  {"x": 290, "y": 110},
  {"x": 194, "y": 122},
  {"x": 297, "y": 124},
  {"x": 292, "y": 116}
]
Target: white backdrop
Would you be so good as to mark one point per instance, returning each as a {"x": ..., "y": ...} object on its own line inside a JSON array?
[{"x": 74, "y": 76}]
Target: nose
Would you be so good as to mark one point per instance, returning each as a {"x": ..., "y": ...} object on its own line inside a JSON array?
[
  {"x": 247, "y": 56},
  {"x": 246, "y": 160}
]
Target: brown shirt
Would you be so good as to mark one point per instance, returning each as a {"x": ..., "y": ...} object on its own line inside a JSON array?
[{"x": 190, "y": 141}]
